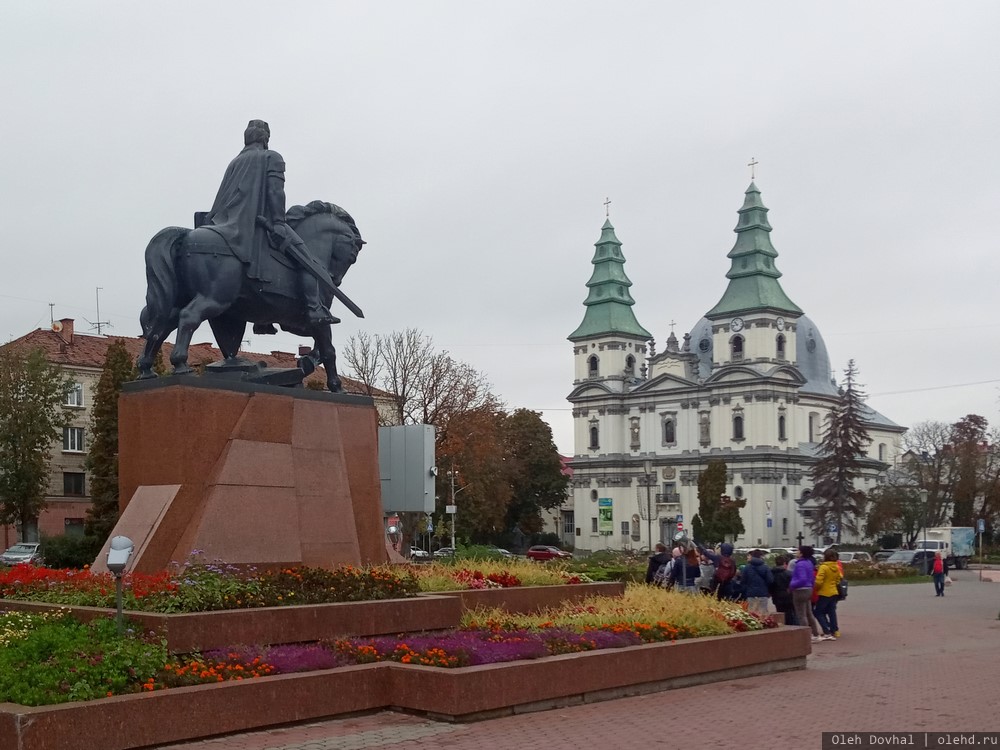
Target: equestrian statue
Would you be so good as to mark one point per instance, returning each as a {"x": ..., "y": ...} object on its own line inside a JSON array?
[{"x": 247, "y": 260}]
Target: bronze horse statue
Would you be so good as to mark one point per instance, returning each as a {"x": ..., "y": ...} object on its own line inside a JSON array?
[{"x": 192, "y": 276}]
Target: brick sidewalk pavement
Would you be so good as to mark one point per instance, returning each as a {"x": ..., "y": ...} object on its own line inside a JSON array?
[{"x": 907, "y": 661}]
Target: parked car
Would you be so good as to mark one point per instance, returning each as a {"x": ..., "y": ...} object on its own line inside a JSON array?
[
  {"x": 419, "y": 554},
  {"x": 445, "y": 552},
  {"x": 23, "y": 552},
  {"x": 921, "y": 559},
  {"x": 542, "y": 552},
  {"x": 854, "y": 557},
  {"x": 500, "y": 551},
  {"x": 884, "y": 554}
]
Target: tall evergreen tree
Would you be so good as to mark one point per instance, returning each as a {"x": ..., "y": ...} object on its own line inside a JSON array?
[
  {"x": 841, "y": 453},
  {"x": 33, "y": 413},
  {"x": 718, "y": 516},
  {"x": 102, "y": 459}
]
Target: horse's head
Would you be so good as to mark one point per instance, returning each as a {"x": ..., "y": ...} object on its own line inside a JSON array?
[{"x": 330, "y": 234}]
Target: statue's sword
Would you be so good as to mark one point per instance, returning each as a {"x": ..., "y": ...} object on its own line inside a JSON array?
[{"x": 301, "y": 256}]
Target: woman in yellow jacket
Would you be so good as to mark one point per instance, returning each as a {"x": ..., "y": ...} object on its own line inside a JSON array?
[{"x": 828, "y": 575}]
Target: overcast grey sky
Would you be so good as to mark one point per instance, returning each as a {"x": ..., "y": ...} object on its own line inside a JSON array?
[{"x": 475, "y": 144}]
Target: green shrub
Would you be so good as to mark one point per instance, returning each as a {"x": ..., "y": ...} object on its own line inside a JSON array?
[{"x": 70, "y": 551}]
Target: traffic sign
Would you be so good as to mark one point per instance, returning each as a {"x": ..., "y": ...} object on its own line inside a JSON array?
[
  {"x": 982, "y": 525},
  {"x": 680, "y": 526},
  {"x": 679, "y": 519},
  {"x": 832, "y": 528}
]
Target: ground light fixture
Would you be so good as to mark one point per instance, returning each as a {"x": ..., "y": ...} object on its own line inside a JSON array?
[{"x": 118, "y": 556}]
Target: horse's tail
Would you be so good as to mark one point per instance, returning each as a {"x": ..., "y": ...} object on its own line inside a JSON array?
[{"x": 161, "y": 279}]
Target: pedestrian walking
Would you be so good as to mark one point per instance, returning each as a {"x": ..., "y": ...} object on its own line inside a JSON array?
[
  {"x": 707, "y": 568},
  {"x": 939, "y": 571},
  {"x": 827, "y": 578},
  {"x": 801, "y": 586},
  {"x": 686, "y": 571}
]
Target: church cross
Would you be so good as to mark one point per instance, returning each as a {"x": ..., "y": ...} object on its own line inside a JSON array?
[
  {"x": 607, "y": 211},
  {"x": 753, "y": 163},
  {"x": 672, "y": 324}
]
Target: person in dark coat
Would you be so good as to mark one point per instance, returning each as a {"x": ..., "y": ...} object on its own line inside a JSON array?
[
  {"x": 661, "y": 559},
  {"x": 757, "y": 580},
  {"x": 781, "y": 594}
]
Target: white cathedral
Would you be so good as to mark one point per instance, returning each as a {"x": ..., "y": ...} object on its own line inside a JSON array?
[{"x": 750, "y": 384}]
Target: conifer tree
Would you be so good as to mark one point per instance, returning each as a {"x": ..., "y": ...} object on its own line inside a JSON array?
[
  {"x": 841, "y": 453},
  {"x": 102, "y": 459},
  {"x": 718, "y": 516}
]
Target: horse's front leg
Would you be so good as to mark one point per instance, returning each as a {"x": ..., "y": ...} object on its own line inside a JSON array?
[
  {"x": 156, "y": 333},
  {"x": 323, "y": 336}
]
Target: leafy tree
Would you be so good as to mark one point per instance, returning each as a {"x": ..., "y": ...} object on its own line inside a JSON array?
[
  {"x": 841, "y": 453},
  {"x": 102, "y": 458},
  {"x": 33, "y": 413},
  {"x": 533, "y": 468},
  {"x": 969, "y": 453},
  {"x": 718, "y": 515},
  {"x": 895, "y": 508}
]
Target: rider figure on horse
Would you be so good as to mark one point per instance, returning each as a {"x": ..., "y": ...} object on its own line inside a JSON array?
[{"x": 249, "y": 214}]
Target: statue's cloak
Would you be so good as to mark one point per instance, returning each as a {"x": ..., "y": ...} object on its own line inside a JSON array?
[{"x": 241, "y": 199}]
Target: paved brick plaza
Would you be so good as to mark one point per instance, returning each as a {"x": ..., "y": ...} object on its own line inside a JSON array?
[{"x": 907, "y": 661}]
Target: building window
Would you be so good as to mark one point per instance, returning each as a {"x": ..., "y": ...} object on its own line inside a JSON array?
[
  {"x": 73, "y": 439},
  {"x": 593, "y": 525},
  {"x": 813, "y": 419},
  {"x": 74, "y": 484},
  {"x": 593, "y": 496},
  {"x": 881, "y": 452},
  {"x": 630, "y": 365},
  {"x": 74, "y": 397},
  {"x": 737, "y": 427},
  {"x": 784, "y": 527},
  {"x": 807, "y": 513},
  {"x": 784, "y": 493},
  {"x": 626, "y": 528},
  {"x": 781, "y": 428},
  {"x": 705, "y": 428},
  {"x": 780, "y": 346},
  {"x": 592, "y": 366},
  {"x": 567, "y": 522},
  {"x": 595, "y": 436},
  {"x": 73, "y": 527},
  {"x": 669, "y": 431},
  {"x": 738, "y": 492},
  {"x": 736, "y": 346},
  {"x": 634, "y": 433}
]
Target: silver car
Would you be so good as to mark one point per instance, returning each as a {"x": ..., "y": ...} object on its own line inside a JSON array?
[{"x": 23, "y": 552}]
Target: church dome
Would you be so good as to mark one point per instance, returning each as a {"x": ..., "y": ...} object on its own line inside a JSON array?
[{"x": 811, "y": 357}]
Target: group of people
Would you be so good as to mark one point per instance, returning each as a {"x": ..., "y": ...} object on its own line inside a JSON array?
[{"x": 805, "y": 593}]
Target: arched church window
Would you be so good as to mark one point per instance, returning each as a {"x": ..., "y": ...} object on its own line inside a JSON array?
[
  {"x": 593, "y": 495},
  {"x": 881, "y": 452},
  {"x": 630, "y": 365},
  {"x": 595, "y": 437},
  {"x": 737, "y": 348},
  {"x": 784, "y": 527},
  {"x": 738, "y": 492},
  {"x": 737, "y": 427},
  {"x": 592, "y": 366},
  {"x": 781, "y": 428},
  {"x": 780, "y": 346},
  {"x": 669, "y": 432},
  {"x": 813, "y": 424}
]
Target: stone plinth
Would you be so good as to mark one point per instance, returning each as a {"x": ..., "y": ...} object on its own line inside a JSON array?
[{"x": 248, "y": 474}]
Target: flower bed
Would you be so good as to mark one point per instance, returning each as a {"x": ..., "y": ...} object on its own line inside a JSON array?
[
  {"x": 176, "y": 715},
  {"x": 492, "y": 574},
  {"x": 201, "y": 587}
]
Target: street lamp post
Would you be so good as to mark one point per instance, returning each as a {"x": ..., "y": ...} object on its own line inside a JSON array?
[
  {"x": 454, "y": 510},
  {"x": 924, "y": 499},
  {"x": 648, "y": 468}
]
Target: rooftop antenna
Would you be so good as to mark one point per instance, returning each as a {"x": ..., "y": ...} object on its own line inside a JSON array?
[
  {"x": 100, "y": 323},
  {"x": 52, "y": 315}
]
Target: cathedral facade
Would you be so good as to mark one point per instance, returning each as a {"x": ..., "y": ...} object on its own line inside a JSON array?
[{"x": 750, "y": 384}]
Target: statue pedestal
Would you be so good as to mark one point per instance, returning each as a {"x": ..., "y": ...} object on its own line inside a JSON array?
[{"x": 247, "y": 474}]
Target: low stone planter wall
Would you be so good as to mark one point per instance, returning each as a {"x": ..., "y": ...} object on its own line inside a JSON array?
[
  {"x": 528, "y": 599},
  {"x": 467, "y": 693},
  {"x": 199, "y": 631}
]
